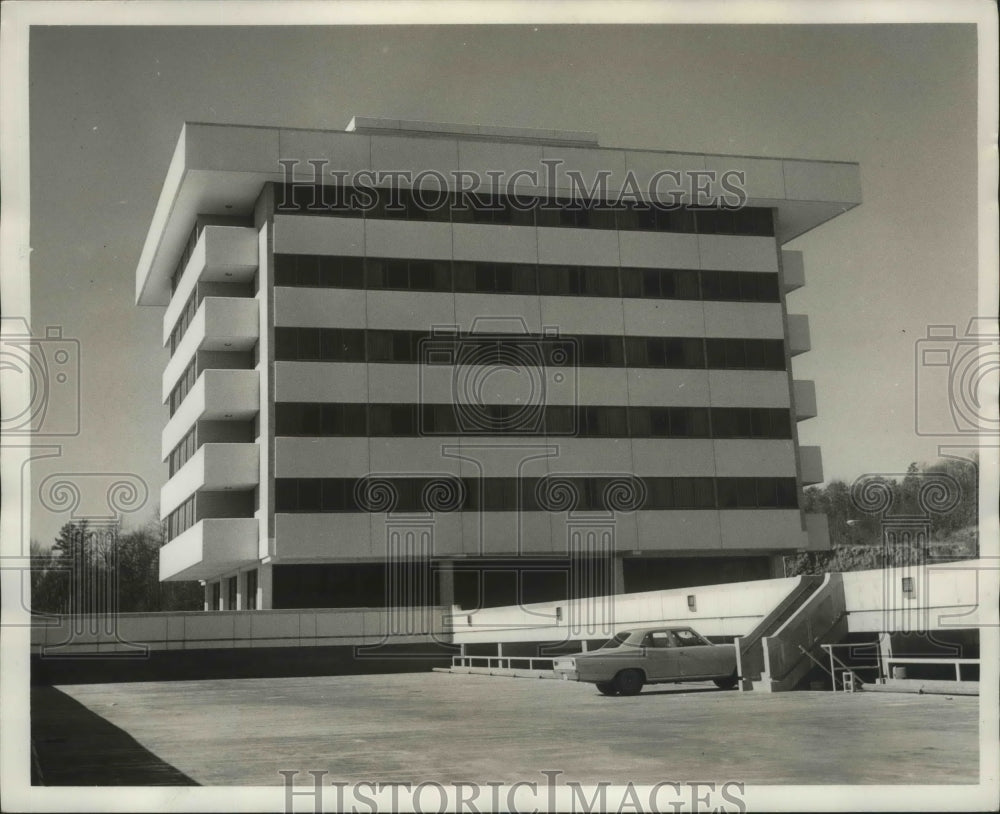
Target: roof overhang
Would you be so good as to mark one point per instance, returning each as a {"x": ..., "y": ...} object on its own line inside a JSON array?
[{"x": 221, "y": 169}]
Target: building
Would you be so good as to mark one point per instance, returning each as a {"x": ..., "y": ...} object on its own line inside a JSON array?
[{"x": 419, "y": 364}]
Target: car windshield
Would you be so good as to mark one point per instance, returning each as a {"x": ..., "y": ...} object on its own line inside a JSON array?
[{"x": 617, "y": 641}]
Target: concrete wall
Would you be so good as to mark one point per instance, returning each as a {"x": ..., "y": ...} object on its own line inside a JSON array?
[
  {"x": 235, "y": 629},
  {"x": 734, "y": 609},
  {"x": 334, "y": 457},
  {"x": 347, "y": 381},
  {"x": 945, "y": 596},
  {"x": 295, "y": 234},
  {"x": 720, "y": 610},
  {"x": 347, "y": 537},
  {"x": 419, "y": 310}
]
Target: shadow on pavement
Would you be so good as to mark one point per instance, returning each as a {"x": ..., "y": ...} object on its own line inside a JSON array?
[
  {"x": 663, "y": 691},
  {"x": 685, "y": 691},
  {"x": 72, "y": 746}
]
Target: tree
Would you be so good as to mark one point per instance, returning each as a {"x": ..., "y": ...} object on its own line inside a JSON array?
[
  {"x": 49, "y": 581},
  {"x": 99, "y": 568},
  {"x": 140, "y": 586},
  {"x": 966, "y": 513},
  {"x": 856, "y": 535}
]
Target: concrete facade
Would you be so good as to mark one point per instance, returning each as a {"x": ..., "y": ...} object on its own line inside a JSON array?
[{"x": 647, "y": 365}]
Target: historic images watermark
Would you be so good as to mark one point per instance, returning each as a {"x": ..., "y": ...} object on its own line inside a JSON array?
[
  {"x": 419, "y": 538},
  {"x": 548, "y": 793},
  {"x": 95, "y": 503},
  {"x": 472, "y": 191},
  {"x": 906, "y": 511}
]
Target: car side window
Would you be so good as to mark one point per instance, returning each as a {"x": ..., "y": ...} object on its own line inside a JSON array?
[
  {"x": 688, "y": 638},
  {"x": 659, "y": 638}
]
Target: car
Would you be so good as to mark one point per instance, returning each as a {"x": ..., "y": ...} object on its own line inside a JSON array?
[{"x": 653, "y": 655}]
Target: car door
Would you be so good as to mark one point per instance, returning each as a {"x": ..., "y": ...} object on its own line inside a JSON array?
[
  {"x": 662, "y": 656},
  {"x": 698, "y": 658}
]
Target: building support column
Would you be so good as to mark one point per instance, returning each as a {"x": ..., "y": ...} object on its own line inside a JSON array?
[
  {"x": 618, "y": 564},
  {"x": 207, "y": 588},
  {"x": 265, "y": 592},
  {"x": 445, "y": 598},
  {"x": 885, "y": 653},
  {"x": 445, "y": 584}
]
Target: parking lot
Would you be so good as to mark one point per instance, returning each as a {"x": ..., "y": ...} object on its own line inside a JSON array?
[{"x": 457, "y": 728}]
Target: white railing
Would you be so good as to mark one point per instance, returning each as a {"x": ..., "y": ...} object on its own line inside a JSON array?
[
  {"x": 882, "y": 666},
  {"x": 848, "y": 674},
  {"x": 890, "y": 660},
  {"x": 503, "y": 662}
]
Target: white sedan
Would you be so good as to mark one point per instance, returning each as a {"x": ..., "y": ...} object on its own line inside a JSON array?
[{"x": 655, "y": 655}]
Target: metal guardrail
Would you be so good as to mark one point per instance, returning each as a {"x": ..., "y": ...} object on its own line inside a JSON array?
[
  {"x": 848, "y": 673},
  {"x": 889, "y": 660},
  {"x": 883, "y": 664},
  {"x": 503, "y": 662}
]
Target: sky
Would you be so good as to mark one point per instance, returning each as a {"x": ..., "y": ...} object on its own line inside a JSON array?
[{"x": 107, "y": 104}]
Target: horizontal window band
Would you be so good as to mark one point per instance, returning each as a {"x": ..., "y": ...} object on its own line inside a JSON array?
[
  {"x": 459, "y": 276},
  {"x": 525, "y": 351},
  {"x": 441, "y": 206},
  {"x": 553, "y": 493},
  {"x": 336, "y": 419}
]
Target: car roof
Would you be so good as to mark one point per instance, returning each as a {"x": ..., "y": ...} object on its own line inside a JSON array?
[{"x": 659, "y": 627}]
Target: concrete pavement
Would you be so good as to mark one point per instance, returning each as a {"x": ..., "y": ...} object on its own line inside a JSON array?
[{"x": 451, "y": 728}]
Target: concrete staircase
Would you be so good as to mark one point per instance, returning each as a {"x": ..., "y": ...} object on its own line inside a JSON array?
[
  {"x": 750, "y": 648},
  {"x": 775, "y": 655}
]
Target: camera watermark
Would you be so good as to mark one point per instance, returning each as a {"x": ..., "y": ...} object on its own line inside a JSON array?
[
  {"x": 548, "y": 793},
  {"x": 500, "y": 379},
  {"x": 963, "y": 369},
  {"x": 41, "y": 381}
]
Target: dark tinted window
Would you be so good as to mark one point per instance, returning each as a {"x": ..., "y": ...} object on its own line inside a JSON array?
[{"x": 534, "y": 494}]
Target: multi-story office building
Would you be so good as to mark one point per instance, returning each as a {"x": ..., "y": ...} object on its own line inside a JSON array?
[{"x": 423, "y": 363}]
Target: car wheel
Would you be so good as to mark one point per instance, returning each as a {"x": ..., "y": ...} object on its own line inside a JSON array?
[
  {"x": 606, "y": 688},
  {"x": 629, "y": 682},
  {"x": 726, "y": 683}
]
